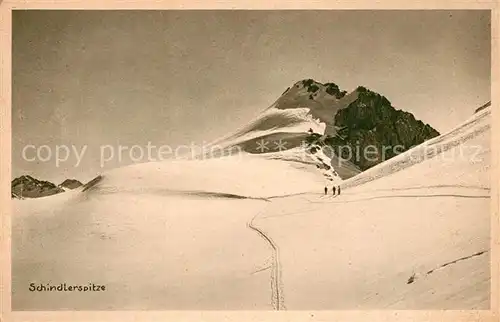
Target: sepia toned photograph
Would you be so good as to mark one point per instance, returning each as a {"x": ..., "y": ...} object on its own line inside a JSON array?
[{"x": 251, "y": 160}]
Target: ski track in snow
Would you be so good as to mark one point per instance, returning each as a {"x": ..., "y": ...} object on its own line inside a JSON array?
[{"x": 277, "y": 297}]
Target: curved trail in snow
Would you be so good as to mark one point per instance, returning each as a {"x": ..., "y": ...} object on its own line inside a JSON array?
[{"x": 277, "y": 297}]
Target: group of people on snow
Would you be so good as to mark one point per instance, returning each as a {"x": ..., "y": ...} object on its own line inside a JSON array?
[{"x": 335, "y": 190}]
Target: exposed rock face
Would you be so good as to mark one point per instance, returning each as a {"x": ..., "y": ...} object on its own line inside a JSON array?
[
  {"x": 29, "y": 187},
  {"x": 483, "y": 107},
  {"x": 370, "y": 130},
  {"x": 14, "y": 196},
  {"x": 360, "y": 128},
  {"x": 70, "y": 184},
  {"x": 333, "y": 89}
]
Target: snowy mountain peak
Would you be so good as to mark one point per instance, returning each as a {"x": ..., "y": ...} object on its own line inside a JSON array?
[
  {"x": 315, "y": 89},
  {"x": 312, "y": 114},
  {"x": 322, "y": 100},
  {"x": 304, "y": 129}
]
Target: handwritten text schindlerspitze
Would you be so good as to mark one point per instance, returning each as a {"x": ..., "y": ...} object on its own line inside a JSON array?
[{"x": 64, "y": 287}]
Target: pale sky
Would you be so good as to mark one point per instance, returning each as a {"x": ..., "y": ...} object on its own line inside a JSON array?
[{"x": 99, "y": 78}]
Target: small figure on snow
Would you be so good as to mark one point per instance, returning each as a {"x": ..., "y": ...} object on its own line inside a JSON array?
[
  {"x": 333, "y": 190},
  {"x": 339, "y": 190},
  {"x": 326, "y": 190}
]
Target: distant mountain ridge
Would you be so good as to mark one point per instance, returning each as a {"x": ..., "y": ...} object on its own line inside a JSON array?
[
  {"x": 28, "y": 187},
  {"x": 70, "y": 184}
]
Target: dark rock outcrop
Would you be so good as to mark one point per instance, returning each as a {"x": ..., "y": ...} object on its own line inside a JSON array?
[
  {"x": 333, "y": 89},
  {"x": 483, "y": 107},
  {"x": 70, "y": 184},
  {"x": 370, "y": 130}
]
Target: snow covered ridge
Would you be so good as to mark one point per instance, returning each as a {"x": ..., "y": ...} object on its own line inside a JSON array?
[
  {"x": 454, "y": 141},
  {"x": 243, "y": 176},
  {"x": 280, "y": 132},
  {"x": 277, "y": 134}
]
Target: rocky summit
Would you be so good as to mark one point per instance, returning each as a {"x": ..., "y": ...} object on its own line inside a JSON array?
[
  {"x": 371, "y": 121},
  {"x": 367, "y": 128}
]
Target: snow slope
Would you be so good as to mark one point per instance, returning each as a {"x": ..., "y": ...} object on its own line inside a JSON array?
[
  {"x": 429, "y": 219},
  {"x": 169, "y": 235},
  {"x": 280, "y": 131},
  {"x": 254, "y": 231}
]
